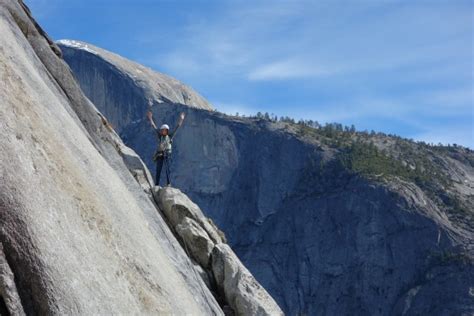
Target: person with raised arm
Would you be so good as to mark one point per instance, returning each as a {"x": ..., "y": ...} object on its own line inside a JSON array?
[{"x": 162, "y": 154}]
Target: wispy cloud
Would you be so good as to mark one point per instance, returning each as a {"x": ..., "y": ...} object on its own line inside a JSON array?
[
  {"x": 303, "y": 39},
  {"x": 287, "y": 69}
]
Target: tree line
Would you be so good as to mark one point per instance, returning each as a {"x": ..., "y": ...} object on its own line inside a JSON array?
[{"x": 336, "y": 129}]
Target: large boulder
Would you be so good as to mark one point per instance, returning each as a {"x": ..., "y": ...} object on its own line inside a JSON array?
[
  {"x": 240, "y": 288},
  {"x": 197, "y": 240},
  {"x": 177, "y": 207}
]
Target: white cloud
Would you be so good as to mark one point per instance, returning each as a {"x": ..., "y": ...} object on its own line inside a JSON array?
[{"x": 287, "y": 69}]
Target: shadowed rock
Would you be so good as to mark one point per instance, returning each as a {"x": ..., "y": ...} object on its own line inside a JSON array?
[{"x": 10, "y": 302}]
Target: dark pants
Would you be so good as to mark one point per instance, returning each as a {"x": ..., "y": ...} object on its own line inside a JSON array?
[{"x": 162, "y": 160}]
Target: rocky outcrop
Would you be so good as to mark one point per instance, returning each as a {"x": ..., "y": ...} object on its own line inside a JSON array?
[
  {"x": 205, "y": 243},
  {"x": 78, "y": 232},
  {"x": 239, "y": 287},
  {"x": 321, "y": 239}
]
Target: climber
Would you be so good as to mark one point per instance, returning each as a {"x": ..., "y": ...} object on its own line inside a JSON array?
[{"x": 163, "y": 152}]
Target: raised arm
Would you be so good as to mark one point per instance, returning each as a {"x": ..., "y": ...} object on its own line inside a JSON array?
[
  {"x": 180, "y": 122},
  {"x": 149, "y": 115}
]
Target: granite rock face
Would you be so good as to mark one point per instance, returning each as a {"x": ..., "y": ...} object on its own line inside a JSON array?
[
  {"x": 321, "y": 239},
  {"x": 79, "y": 230}
]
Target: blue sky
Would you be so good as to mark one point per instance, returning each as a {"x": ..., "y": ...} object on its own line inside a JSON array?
[{"x": 403, "y": 67}]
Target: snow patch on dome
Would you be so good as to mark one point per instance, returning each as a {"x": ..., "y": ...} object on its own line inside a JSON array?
[{"x": 77, "y": 44}]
